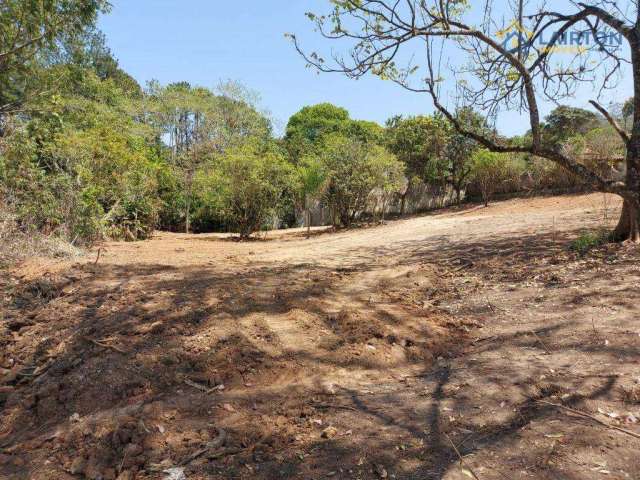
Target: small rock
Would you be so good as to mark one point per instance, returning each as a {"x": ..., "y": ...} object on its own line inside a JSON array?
[
  {"x": 75, "y": 418},
  {"x": 228, "y": 407},
  {"x": 176, "y": 473},
  {"x": 329, "y": 388},
  {"x": 329, "y": 432}
]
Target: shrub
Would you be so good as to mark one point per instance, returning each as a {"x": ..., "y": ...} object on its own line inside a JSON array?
[
  {"x": 17, "y": 243},
  {"x": 490, "y": 171},
  {"x": 254, "y": 183},
  {"x": 588, "y": 240},
  {"x": 355, "y": 169}
]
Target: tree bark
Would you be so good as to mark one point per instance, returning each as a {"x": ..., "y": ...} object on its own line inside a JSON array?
[
  {"x": 629, "y": 225},
  {"x": 403, "y": 200},
  {"x": 187, "y": 213},
  {"x": 308, "y": 216}
]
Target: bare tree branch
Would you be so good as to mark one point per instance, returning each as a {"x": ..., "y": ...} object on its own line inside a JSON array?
[{"x": 624, "y": 135}]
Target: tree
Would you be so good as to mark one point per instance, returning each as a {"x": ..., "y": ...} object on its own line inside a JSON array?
[
  {"x": 312, "y": 179},
  {"x": 565, "y": 122},
  {"x": 354, "y": 170},
  {"x": 603, "y": 150},
  {"x": 78, "y": 164},
  {"x": 188, "y": 115},
  {"x": 488, "y": 170},
  {"x": 200, "y": 125},
  {"x": 495, "y": 72},
  {"x": 30, "y": 30},
  {"x": 461, "y": 148},
  {"x": 388, "y": 178},
  {"x": 307, "y": 128},
  {"x": 254, "y": 182},
  {"x": 420, "y": 143}
]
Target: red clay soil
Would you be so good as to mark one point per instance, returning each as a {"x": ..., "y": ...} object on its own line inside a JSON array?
[{"x": 462, "y": 344}]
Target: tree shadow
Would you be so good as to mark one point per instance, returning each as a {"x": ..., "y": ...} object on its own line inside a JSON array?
[{"x": 132, "y": 341}]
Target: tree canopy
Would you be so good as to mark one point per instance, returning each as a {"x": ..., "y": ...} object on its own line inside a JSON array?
[{"x": 378, "y": 37}]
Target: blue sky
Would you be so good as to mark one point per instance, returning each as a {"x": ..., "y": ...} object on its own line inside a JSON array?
[{"x": 206, "y": 41}]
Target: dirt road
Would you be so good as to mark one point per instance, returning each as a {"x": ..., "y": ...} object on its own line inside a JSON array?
[{"x": 382, "y": 352}]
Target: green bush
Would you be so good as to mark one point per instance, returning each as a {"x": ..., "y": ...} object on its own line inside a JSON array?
[
  {"x": 354, "y": 171},
  {"x": 588, "y": 240},
  {"x": 254, "y": 184}
]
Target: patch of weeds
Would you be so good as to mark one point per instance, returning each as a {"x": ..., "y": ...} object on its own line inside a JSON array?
[{"x": 588, "y": 240}]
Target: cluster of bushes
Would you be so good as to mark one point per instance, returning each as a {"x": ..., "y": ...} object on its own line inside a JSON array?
[
  {"x": 584, "y": 135},
  {"x": 86, "y": 153},
  {"x": 100, "y": 159}
]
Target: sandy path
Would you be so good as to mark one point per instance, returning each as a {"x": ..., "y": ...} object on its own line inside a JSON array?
[{"x": 508, "y": 218}]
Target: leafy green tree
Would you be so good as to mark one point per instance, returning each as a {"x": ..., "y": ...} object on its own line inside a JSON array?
[
  {"x": 603, "y": 150},
  {"x": 89, "y": 51},
  {"x": 420, "y": 143},
  {"x": 366, "y": 131},
  {"x": 388, "y": 178},
  {"x": 488, "y": 172},
  {"x": 461, "y": 148},
  {"x": 355, "y": 169},
  {"x": 254, "y": 183},
  {"x": 32, "y": 30},
  {"x": 79, "y": 164},
  {"x": 312, "y": 176},
  {"x": 307, "y": 128},
  {"x": 565, "y": 122},
  {"x": 200, "y": 125}
]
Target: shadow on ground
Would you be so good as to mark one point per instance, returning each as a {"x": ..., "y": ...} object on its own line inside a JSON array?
[{"x": 314, "y": 371}]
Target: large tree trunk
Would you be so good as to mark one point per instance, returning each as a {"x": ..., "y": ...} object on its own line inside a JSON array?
[
  {"x": 187, "y": 217},
  {"x": 629, "y": 225},
  {"x": 403, "y": 199}
]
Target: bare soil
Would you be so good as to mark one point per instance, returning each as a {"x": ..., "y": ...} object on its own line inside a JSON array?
[{"x": 390, "y": 351}]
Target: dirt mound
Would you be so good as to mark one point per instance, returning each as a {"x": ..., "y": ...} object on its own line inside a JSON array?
[{"x": 352, "y": 326}]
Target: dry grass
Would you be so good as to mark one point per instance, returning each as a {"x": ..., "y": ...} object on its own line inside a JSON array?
[{"x": 16, "y": 244}]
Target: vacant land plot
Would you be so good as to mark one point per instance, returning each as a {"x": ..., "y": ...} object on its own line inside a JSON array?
[{"x": 386, "y": 352}]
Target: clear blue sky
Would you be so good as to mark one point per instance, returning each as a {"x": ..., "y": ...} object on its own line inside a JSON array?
[{"x": 205, "y": 41}]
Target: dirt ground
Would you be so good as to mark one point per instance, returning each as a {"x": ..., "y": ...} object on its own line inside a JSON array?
[{"x": 456, "y": 345}]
